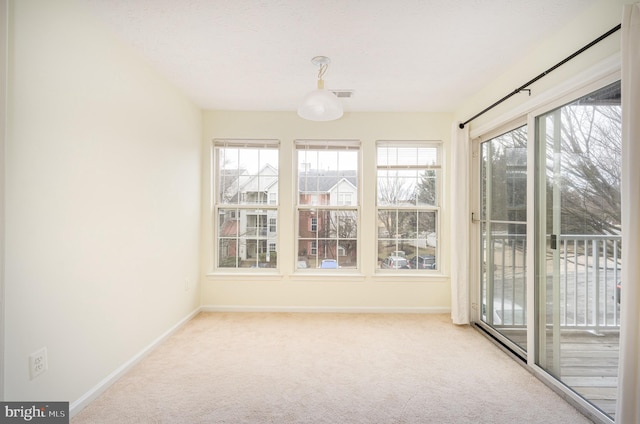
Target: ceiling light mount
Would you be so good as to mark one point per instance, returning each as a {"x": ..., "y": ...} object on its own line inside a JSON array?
[
  {"x": 320, "y": 104},
  {"x": 321, "y": 61}
]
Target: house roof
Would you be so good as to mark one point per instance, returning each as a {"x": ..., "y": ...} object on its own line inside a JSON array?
[
  {"x": 229, "y": 228},
  {"x": 262, "y": 181},
  {"x": 324, "y": 181}
]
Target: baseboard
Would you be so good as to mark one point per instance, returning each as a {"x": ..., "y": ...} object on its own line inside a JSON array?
[
  {"x": 327, "y": 309},
  {"x": 97, "y": 390}
]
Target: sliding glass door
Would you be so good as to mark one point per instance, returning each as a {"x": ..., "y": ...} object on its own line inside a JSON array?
[
  {"x": 564, "y": 168},
  {"x": 503, "y": 215},
  {"x": 578, "y": 244}
]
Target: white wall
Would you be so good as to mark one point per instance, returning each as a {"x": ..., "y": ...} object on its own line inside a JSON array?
[
  {"x": 287, "y": 289},
  {"x": 102, "y": 202},
  {"x": 586, "y": 27}
]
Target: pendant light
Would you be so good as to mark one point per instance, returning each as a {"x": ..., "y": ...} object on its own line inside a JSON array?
[{"x": 320, "y": 104}]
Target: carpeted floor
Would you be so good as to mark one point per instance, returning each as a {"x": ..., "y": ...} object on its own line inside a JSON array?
[{"x": 328, "y": 368}]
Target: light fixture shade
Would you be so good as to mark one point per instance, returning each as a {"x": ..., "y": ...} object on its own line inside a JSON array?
[{"x": 320, "y": 105}]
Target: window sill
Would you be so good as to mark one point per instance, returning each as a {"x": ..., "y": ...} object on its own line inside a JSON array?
[{"x": 338, "y": 277}]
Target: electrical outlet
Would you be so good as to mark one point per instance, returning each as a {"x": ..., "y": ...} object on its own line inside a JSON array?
[{"x": 38, "y": 362}]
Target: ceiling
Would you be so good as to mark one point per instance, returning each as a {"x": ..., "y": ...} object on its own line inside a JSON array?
[{"x": 397, "y": 55}]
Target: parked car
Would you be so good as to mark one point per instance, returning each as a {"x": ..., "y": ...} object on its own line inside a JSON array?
[
  {"x": 395, "y": 262},
  {"x": 423, "y": 262},
  {"x": 329, "y": 264},
  {"x": 302, "y": 263}
]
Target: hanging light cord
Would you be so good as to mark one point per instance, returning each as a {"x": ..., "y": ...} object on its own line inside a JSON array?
[{"x": 322, "y": 70}]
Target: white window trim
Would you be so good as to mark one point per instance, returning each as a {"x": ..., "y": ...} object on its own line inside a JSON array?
[
  {"x": 335, "y": 145},
  {"x": 439, "y": 145},
  {"x": 287, "y": 248},
  {"x": 215, "y": 207}
]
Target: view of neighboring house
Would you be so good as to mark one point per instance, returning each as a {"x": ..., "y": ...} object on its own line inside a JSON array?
[
  {"x": 248, "y": 234},
  {"x": 327, "y": 232}
]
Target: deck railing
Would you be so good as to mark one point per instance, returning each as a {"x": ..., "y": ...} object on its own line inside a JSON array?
[
  {"x": 255, "y": 231},
  {"x": 589, "y": 271}
]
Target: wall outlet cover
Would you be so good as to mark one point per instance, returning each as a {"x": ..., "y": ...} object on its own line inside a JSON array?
[{"x": 38, "y": 362}]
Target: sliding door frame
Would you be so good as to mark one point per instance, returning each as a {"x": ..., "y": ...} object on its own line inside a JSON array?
[
  {"x": 476, "y": 235},
  {"x": 605, "y": 73}
]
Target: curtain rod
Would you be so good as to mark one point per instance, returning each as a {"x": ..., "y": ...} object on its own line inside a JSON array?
[{"x": 524, "y": 86}]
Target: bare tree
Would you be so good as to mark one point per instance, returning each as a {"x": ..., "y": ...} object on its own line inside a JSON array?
[
  {"x": 343, "y": 226},
  {"x": 393, "y": 192},
  {"x": 229, "y": 188},
  {"x": 591, "y": 157}
]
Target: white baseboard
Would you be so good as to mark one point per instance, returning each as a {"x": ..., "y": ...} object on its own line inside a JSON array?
[
  {"x": 98, "y": 389},
  {"x": 328, "y": 309}
]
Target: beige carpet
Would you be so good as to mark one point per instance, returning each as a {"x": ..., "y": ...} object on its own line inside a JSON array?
[{"x": 328, "y": 368}]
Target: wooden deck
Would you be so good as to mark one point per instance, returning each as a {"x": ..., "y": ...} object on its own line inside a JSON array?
[{"x": 588, "y": 365}]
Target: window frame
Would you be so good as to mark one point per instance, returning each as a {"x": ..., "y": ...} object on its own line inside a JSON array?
[
  {"x": 272, "y": 225},
  {"x": 437, "y": 167},
  {"x": 591, "y": 80},
  {"x": 315, "y": 204},
  {"x": 268, "y": 209}
]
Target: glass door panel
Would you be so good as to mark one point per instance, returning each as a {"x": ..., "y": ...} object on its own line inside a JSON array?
[
  {"x": 578, "y": 244},
  {"x": 503, "y": 213}
]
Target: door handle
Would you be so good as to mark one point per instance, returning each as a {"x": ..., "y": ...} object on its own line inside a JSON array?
[{"x": 554, "y": 241}]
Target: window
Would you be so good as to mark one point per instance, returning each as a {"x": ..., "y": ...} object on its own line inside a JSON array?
[
  {"x": 408, "y": 204},
  {"x": 271, "y": 253},
  {"x": 245, "y": 200},
  {"x": 344, "y": 199},
  {"x": 328, "y": 216},
  {"x": 272, "y": 225}
]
